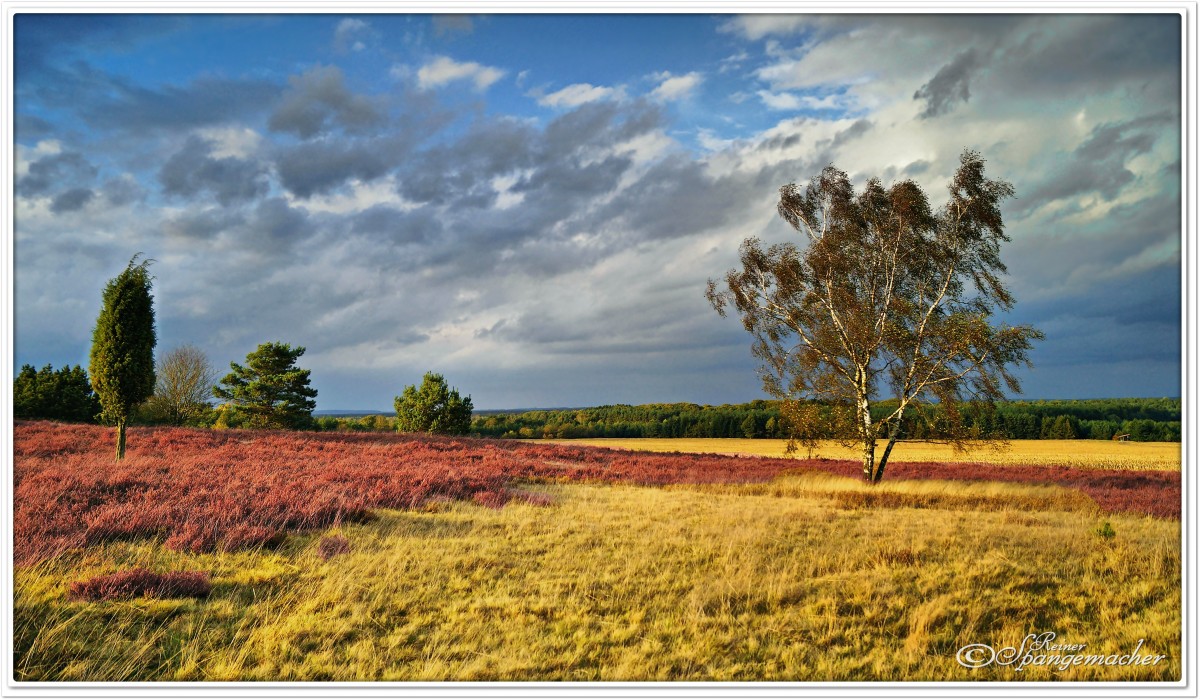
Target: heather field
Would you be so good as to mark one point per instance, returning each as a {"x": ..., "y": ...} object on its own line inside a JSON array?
[{"x": 232, "y": 555}]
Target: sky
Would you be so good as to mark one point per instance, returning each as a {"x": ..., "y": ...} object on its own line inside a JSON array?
[{"x": 531, "y": 205}]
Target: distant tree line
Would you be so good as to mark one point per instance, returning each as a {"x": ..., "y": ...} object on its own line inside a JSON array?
[
  {"x": 65, "y": 394},
  {"x": 1144, "y": 420},
  {"x": 757, "y": 419}
]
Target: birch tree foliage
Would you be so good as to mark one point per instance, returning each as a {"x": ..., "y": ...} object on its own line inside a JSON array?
[{"x": 885, "y": 298}]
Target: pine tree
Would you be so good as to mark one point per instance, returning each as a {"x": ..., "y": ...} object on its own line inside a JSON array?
[
  {"x": 270, "y": 389},
  {"x": 433, "y": 408},
  {"x": 122, "y": 356}
]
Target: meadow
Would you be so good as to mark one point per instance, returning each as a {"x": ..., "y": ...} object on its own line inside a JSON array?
[
  {"x": 397, "y": 557},
  {"x": 1083, "y": 454}
]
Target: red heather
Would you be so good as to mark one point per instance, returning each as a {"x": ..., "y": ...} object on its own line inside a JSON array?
[
  {"x": 137, "y": 583},
  {"x": 332, "y": 546},
  {"x": 203, "y": 490}
]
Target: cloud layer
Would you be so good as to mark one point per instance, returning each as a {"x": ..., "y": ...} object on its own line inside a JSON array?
[{"x": 396, "y": 201}]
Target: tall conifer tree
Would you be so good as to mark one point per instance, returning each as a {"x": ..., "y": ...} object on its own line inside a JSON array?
[{"x": 122, "y": 357}]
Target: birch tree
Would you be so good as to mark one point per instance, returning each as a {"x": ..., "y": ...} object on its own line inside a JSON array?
[
  {"x": 183, "y": 386},
  {"x": 886, "y": 299}
]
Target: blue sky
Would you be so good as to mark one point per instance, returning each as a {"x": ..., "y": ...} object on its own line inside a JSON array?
[{"x": 532, "y": 204}]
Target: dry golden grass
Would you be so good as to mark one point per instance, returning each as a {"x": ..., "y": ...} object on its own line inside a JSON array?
[
  {"x": 813, "y": 577},
  {"x": 1090, "y": 454}
]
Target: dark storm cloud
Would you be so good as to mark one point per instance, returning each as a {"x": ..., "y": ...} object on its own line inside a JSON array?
[
  {"x": 950, "y": 85},
  {"x": 1136, "y": 319},
  {"x": 27, "y": 127},
  {"x": 1078, "y": 55},
  {"x": 463, "y": 170},
  {"x": 852, "y": 132},
  {"x": 270, "y": 229},
  {"x": 560, "y": 184},
  {"x": 677, "y": 197},
  {"x": 557, "y": 172},
  {"x": 1105, "y": 293},
  {"x": 318, "y": 101},
  {"x": 276, "y": 223},
  {"x": 385, "y": 223},
  {"x": 1095, "y": 258},
  {"x": 203, "y": 225},
  {"x": 119, "y": 191},
  {"x": 910, "y": 171},
  {"x": 318, "y": 167},
  {"x": 600, "y": 123},
  {"x": 54, "y": 172},
  {"x": 540, "y": 328},
  {"x": 323, "y": 165},
  {"x": 778, "y": 142},
  {"x": 194, "y": 170},
  {"x": 120, "y": 105},
  {"x": 1098, "y": 164},
  {"x": 608, "y": 329},
  {"x": 72, "y": 200}
]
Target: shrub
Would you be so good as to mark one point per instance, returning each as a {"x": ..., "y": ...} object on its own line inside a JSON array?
[
  {"x": 491, "y": 499},
  {"x": 140, "y": 582},
  {"x": 332, "y": 546}
]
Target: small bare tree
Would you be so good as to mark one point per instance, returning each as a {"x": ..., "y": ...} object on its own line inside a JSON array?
[
  {"x": 183, "y": 385},
  {"x": 887, "y": 294}
]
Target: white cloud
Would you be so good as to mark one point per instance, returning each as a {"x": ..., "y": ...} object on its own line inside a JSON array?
[
  {"x": 577, "y": 94},
  {"x": 791, "y": 101},
  {"x": 676, "y": 87},
  {"x": 350, "y": 35},
  {"x": 443, "y": 69},
  {"x": 732, "y": 62},
  {"x": 400, "y": 71},
  {"x": 357, "y": 196},
  {"x": 26, "y": 155},
  {"x": 781, "y": 100},
  {"x": 231, "y": 141},
  {"x": 505, "y": 197},
  {"x": 755, "y": 27},
  {"x": 709, "y": 141}
]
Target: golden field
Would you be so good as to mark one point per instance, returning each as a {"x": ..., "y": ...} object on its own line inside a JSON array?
[
  {"x": 1090, "y": 454},
  {"x": 481, "y": 560},
  {"x": 811, "y": 577}
]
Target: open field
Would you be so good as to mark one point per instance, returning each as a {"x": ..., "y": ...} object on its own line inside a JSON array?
[
  {"x": 507, "y": 560},
  {"x": 1084, "y": 454}
]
